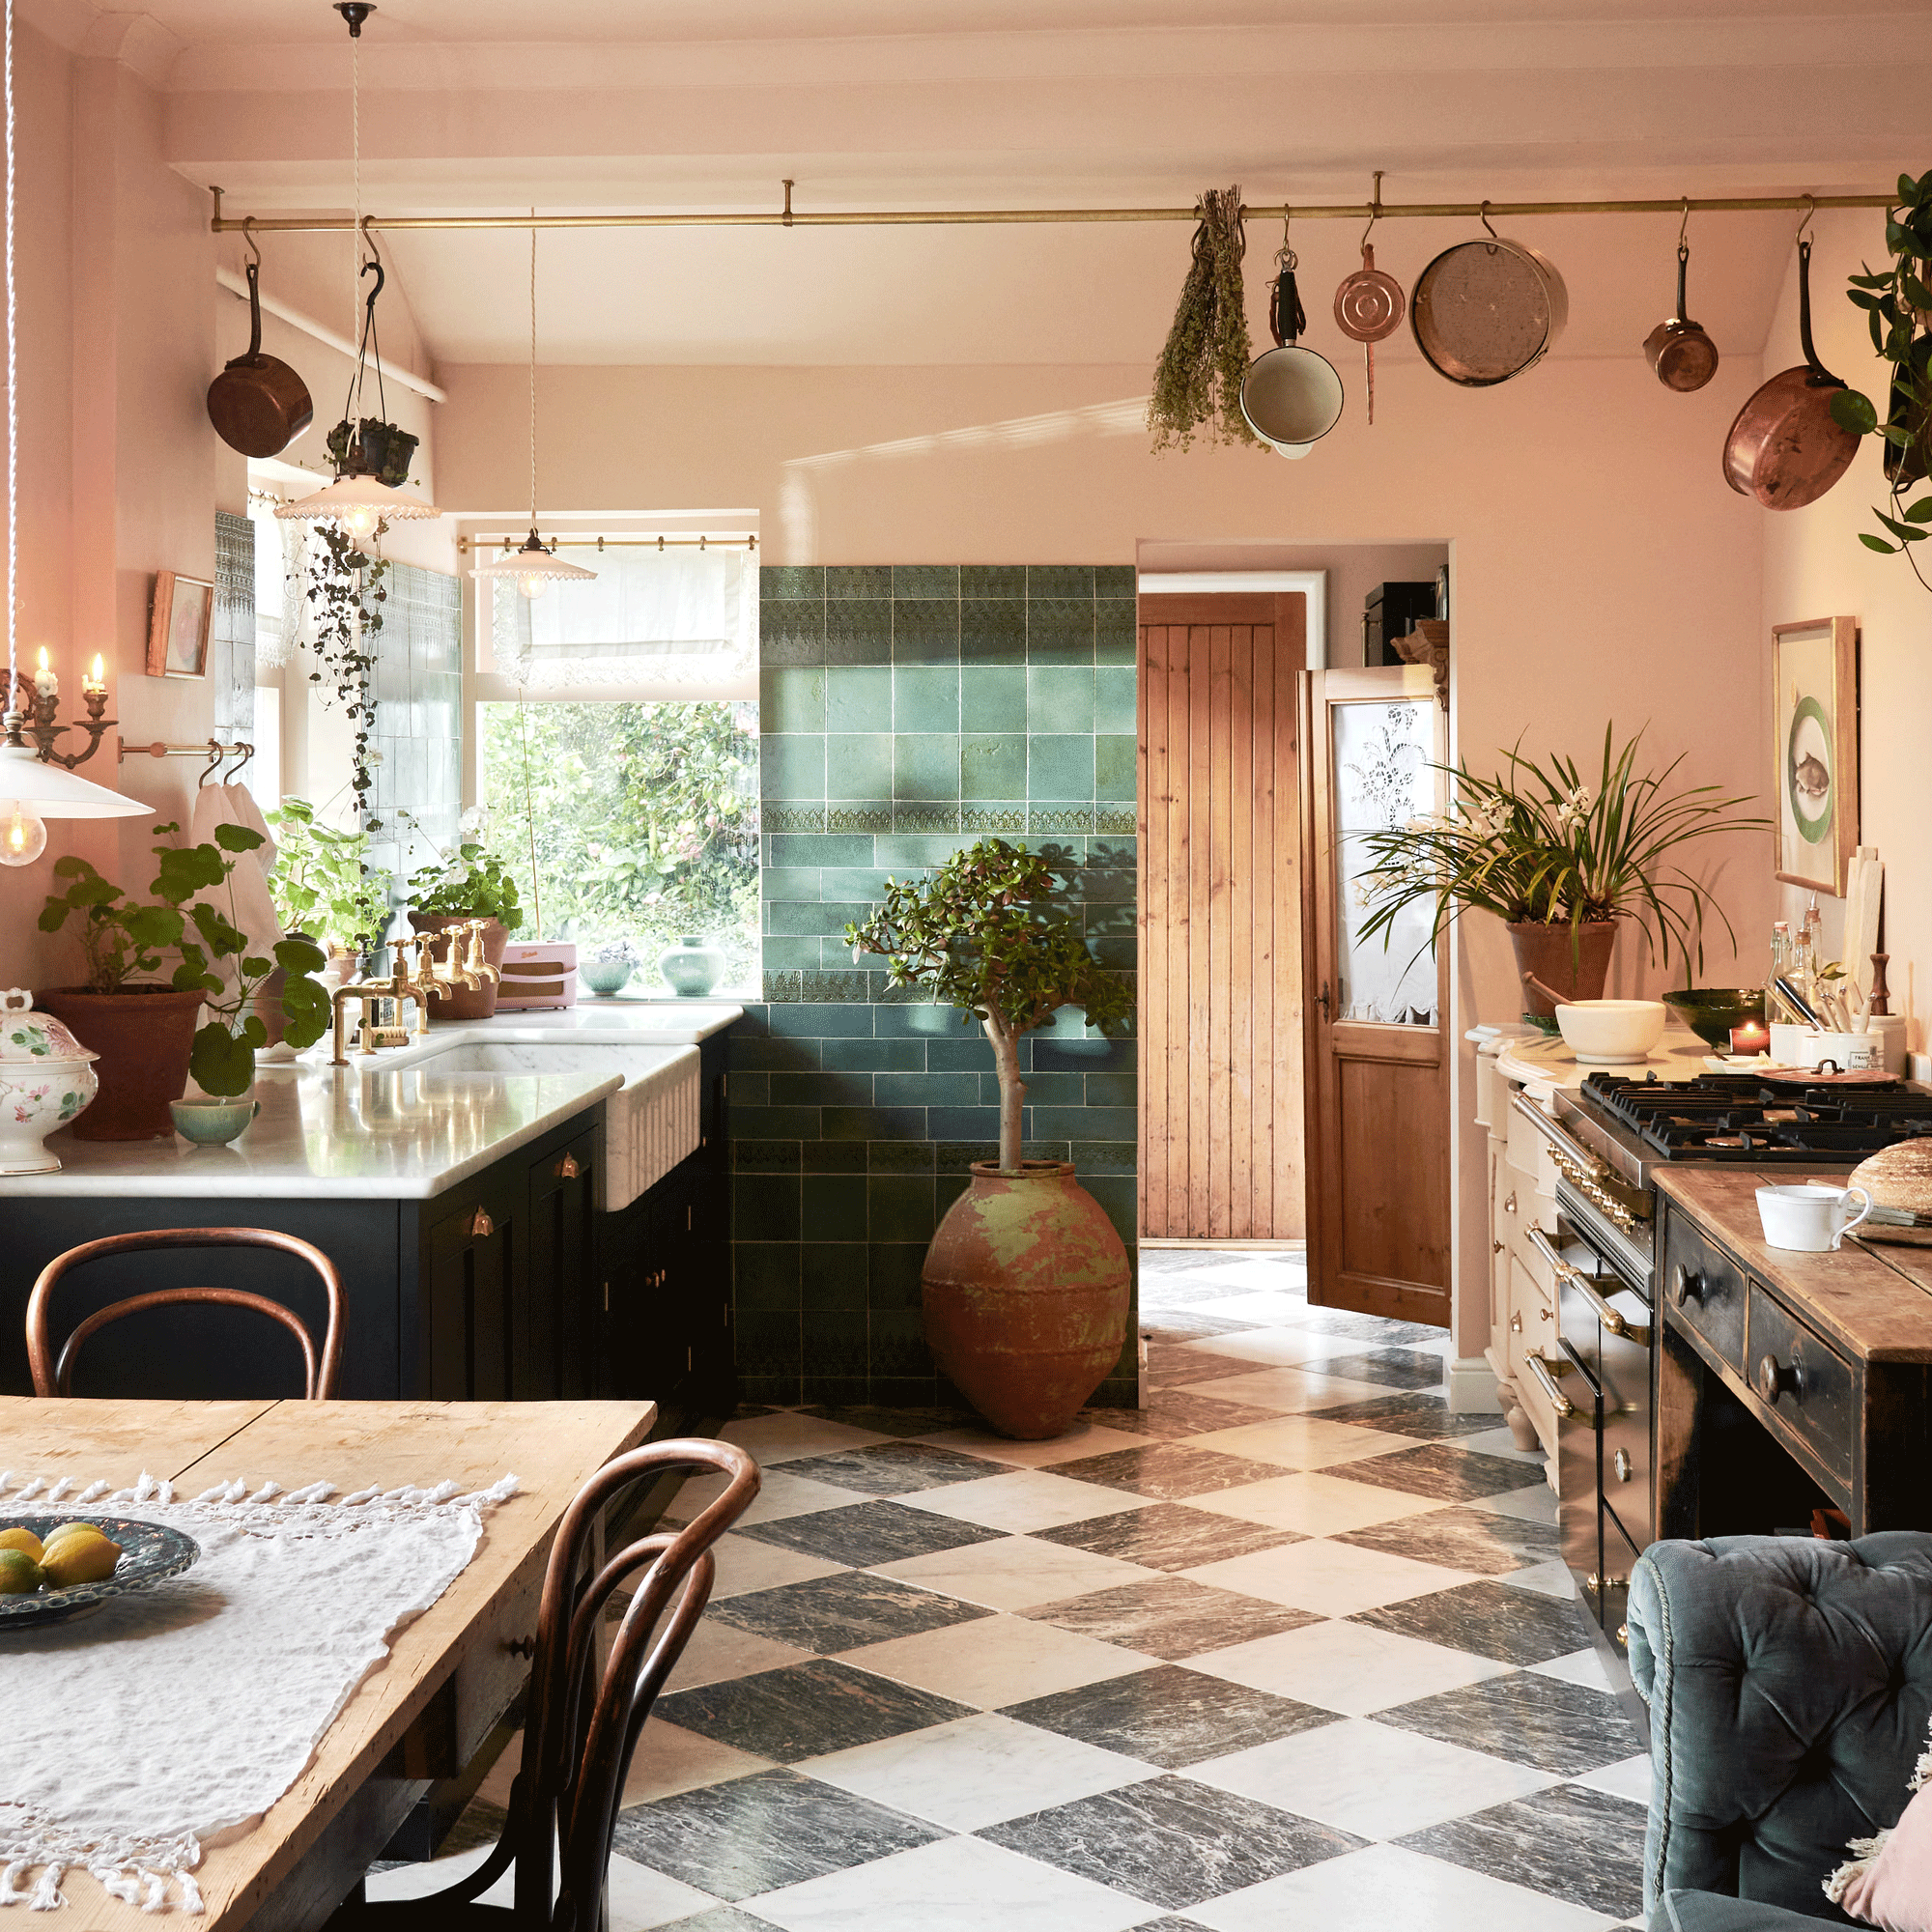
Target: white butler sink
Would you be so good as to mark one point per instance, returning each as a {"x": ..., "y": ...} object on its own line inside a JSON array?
[{"x": 650, "y": 1123}]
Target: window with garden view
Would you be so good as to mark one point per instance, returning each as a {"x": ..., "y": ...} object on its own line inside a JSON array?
[{"x": 639, "y": 821}]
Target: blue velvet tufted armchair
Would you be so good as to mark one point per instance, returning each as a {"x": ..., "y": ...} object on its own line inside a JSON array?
[{"x": 1790, "y": 1687}]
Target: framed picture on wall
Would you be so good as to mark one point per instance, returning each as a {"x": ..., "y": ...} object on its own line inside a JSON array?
[
  {"x": 1814, "y": 751},
  {"x": 179, "y": 620}
]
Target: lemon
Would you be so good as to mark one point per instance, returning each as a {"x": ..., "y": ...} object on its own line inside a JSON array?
[
  {"x": 53, "y": 1536},
  {"x": 80, "y": 1559},
  {"x": 23, "y": 1540},
  {"x": 18, "y": 1572}
]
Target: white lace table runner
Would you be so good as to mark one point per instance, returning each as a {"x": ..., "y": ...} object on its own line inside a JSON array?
[{"x": 176, "y": 1715}]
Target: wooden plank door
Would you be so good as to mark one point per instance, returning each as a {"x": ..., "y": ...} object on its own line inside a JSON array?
[
  {"x": 1220, "y": 917},
  {"x": 1378, "y": 1092}
]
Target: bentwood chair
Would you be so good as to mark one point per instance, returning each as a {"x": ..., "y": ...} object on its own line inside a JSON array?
[
  {"x": 581, "y": 1728},
  {"x": 56, "y": 1376}
]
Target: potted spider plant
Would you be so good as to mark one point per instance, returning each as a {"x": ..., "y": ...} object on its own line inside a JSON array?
[
  {"x": 1026, "y": 1284},
  {"x": 1561, "y": 861}
]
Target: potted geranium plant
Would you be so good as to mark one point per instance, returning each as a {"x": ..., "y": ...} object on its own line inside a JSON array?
[
  {"x": 1560, "y": 863},
  {"x": 145, "y": 1030},
  {"x": 470, "y": 884},
  {"x": 1026, "y": 1284},
  {"x": 323, "y": 883}
]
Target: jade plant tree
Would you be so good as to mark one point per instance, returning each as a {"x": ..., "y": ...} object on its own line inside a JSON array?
[
  {"x": 982, "y": 932},
  {"x": 121, "y": 935}
]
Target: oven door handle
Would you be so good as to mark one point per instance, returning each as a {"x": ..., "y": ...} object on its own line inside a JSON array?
[
  {"x": 1544, "y": 1373},
  {"x": 1630, "y": 1331}
]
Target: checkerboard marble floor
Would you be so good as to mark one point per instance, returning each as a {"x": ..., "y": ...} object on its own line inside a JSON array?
[{"x": 1289, "y": 1647}]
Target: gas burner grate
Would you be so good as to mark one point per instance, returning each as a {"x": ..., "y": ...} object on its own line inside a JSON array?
[{"x": 1737, "y": 1117}]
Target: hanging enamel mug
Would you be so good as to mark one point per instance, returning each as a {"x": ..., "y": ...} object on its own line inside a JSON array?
[
  {"x": 1682, "y": 355},
  {"x": 1291, "y": 396}
]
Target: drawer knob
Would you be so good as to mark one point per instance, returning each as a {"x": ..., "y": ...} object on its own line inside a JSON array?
[
  {"x": 1686, "y": 1285},
  {"x": 569, "y": 1168},
  {"x": 1515, "y": 1324},
  {"x": 1509, "y": 1205},
  {"x": 1621, "y": 1462},
  {"x": 1774, "y": 1378},
  {"x": 522, "y": 1646},
  {"x": 481, "y": 1225},
  {"x": 1496, "y": 1247}
]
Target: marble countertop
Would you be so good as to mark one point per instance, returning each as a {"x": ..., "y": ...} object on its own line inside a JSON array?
[{"x": 1546, "y": 1063}]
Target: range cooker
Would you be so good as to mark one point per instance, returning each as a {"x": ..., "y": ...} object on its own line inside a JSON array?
[{"x": 1608, "y": 1139}]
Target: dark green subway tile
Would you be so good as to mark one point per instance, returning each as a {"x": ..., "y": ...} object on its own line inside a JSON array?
[
  {"x": 971, "y": 1055},
  {"x": 898, "y": 1207},
  {"x": 893, "y": 1270},
  {"x": 840, "y": 987},
  {"x": 822, "y": 1022},
  {"x": 828, "y": 1391},
  {"x": 1086, "y": 1056},
  {"x": 789, "y": 882},
  {"x": 900, "y": 854},
  {"x": 1113, "y": 699},
  {"x": 1032, "y": 1149},
  {"x": 1101, "y": 886},
  {"x": 821, "y": 1090},
  {"x": 874, "y": 1056},
  {"x": 925, "y": 579},
  {"x": 947, "y": 1188},
  {"x": 1043, "y": 1089},
  {"x": 834, "y": 1210},
  {"x": 794, "y": 767},
  {"x": 1114, "y": 771},
  {"x": 766, "y": 1274},
  {"x": 859, "y": 632},
  {"x": 1116, "y": 632},
  {"x": 1119, "y": 950},
  {"x": 835, "y": 1343},
  {"x": 1060, "y": 699},
  {"x": 772, "y": 1123},
  {"x": 898, "y": 1156},
  {"x": 993, "y": 765},
  {"x": 1116, "y": 854},
  {"x": 993, "y": 698},
  {"x": 792, "y": 818},
  {"x": 789, "y": 955},
  {"x": 791, "y": 631},
  {"x": 751, "y": 1088},
  {"x": 822, "y": 849},
  {"x": 1116, "y": 1194},
  {"x": 860, "y": 579},
  {"x": 858, "y": 697},
  {"x": 769, "y": 1343},
  {"x": 792, "y": 698},
  {"x": 1114, "y": 579},
  {"x": 833, "y": 1274},
  {"x": 1110, "y": 1090},
  {"x": 765, "y": 1156},
  {"x": 925, "y": 765},
  {"x": 925, "y": 630},
  {"x": 1051, "y": 821},
  {"x": 1059, "y": 580},
  {"x": 992, "y": 633},
  {"x": 1059, "y": 631},
  {"x": 926, "y": 1089},
  {"x": 992, "y": 579},
  {"x": 791, "y": 579},
  {"x": 926, "y": 698},
  {"x": 816, "y": 1156},
  {"x": 1060, "y": 766},
  {"x": 995, "y": 818},
  {"x": 779, "y": 1391},
  {"x": 858, "y": 765},
  {"x": 764, "y": 1206},
  {"x": 963, "y": 1123},
  {"x": 866, "y": 886},
  {"x": 873, "y": 1123},
  {"x": 1087, "y": 1124},
  {"x": 762, "y": 1053},
  {"x": 897, "y": 1344},
  {"x": 922, "y": 1017}
]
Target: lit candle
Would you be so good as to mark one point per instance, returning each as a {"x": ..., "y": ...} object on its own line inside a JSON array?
[
  {"x": 95, "y": 680},
  {"x": 1751, "y": 1036},
  {"x": 44, "y": 681}
]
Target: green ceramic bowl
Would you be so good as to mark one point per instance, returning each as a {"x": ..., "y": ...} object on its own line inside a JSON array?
[
  {"x": 604, "y": 976},
  {"x": 213, "y": 1123},
  {"x": 1712, "y": 1011}
]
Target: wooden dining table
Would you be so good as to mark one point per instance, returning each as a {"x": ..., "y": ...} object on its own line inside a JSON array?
[{"x": 452, "y": 1673}]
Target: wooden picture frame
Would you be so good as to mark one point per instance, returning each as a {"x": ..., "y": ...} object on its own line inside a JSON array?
[
  {"x": 1814, "y": 751},
  {"x": 180, "y": 618}
]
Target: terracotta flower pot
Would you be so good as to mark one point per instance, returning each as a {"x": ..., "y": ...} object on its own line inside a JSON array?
[
  {"x": 1026, "y": 1291},
  {"x": 144, "y": 1035},
  {"x": 465, "y": 1004},
  {"x": 1578, "y": 970}
]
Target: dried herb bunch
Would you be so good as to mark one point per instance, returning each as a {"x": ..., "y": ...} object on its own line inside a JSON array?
[{"x": 1197, "y": 383}]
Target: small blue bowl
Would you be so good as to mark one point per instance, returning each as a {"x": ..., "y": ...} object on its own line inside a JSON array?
[{"x": 213, "y": 1123}]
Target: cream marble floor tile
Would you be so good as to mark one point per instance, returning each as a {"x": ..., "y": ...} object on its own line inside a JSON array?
[
  {"x": 1547, "y": 1579},
  {"x": 1083, "y": 1438},
  {"x": 1628, "y": 1778},
  {"x": 1314, "y": 1504},
  {"x": 1277, "y": 1346},
  {"x": 1371, "y": 1780},
  {"x": 718, "y": 1650},
  {"x": 1303, "y": 1441},
  {"x": 787, "y": 1433},
  {"x": 1500, "y": 1442},
  {"x": 670, "y": 1759},
  {"x": 1579, "y": 1667},
  {"x": 956, "y": 1885},
  {"x": 642, "y": 1899},
  {"x": 1536, "y": 1502},
  {"x": 1335, "y": 1580},
  {"x": 1016, "y": 1571},
  {"x": 996, "y": 1660},
  {"x": 1345, "y": 1666},
  {"x": 1385, "y": 1886},
  {"x": 743, "y": 1563},
  {"x": 1022, "y": 1500},
  {"x": 977, "y": 1770},
  {"x": 1291, "y": 1391},
  {"x": 779, "y": 1495}
]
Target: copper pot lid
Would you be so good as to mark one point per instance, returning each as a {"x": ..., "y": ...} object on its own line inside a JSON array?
[{"x": 1369, "y": 305}]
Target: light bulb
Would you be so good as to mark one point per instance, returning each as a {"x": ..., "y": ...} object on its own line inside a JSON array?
[
  {"x": 360, "y": 520},
  {"x": 532, "y": 586},
  {"x": 22, "y": 836}
]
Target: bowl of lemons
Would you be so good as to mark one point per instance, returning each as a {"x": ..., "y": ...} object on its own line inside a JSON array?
[{"x": 53, "y": 1568}]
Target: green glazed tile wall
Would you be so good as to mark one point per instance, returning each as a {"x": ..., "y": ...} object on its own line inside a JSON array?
[{"x": 906, "y": 711}]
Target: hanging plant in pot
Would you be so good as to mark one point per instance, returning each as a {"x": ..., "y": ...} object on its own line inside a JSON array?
[
  {"x": 1560, "y": 862},
  {"x": 1026, "y": 1284}
]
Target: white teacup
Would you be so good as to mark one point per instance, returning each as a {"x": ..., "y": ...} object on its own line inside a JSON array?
[{"x": 1810, "y": 1220}]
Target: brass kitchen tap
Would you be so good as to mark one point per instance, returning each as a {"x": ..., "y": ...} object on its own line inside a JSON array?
[
  {"x": 474, "y": 960},
  {"x": 398, "y": 987}
]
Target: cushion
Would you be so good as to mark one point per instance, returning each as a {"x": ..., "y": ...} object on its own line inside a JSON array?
[
  {"x": 1719, "y": 1912},
  {"x": 1889, "y": 1882}
]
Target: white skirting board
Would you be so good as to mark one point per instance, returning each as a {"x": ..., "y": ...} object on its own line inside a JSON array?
[{"x": 1472, "y": 1387}]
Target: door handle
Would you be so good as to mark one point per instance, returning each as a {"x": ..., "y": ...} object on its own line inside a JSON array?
[{"x": 1321, "y": 999}]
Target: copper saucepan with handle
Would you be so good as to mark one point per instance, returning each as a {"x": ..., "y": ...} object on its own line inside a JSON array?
[
  {"x": 1785, "y": 449},
  {"x": 1682, "y": 355},
  {"x": 258, "y": 404}
]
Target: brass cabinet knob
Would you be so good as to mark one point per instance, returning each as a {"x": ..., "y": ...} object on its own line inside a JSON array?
[
  {"x": 1515, "y": 1324},
  {"x": 1621, "y": 1462},
  {"x": 569, "y": 1168},
  {"x": 481, "y": 1225},
  {"x": 1496, "y": 1247},
  {"x": 1509, "y": 1205}
]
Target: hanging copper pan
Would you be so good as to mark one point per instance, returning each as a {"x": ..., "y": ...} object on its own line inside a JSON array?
[
  {"x": 1785, "y": 449},
  {"x": 1682, "y": 355},
  {"x": 258, "y": 404}
]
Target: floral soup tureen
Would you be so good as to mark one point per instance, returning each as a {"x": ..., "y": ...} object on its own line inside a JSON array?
[{"x": 47, "y": 1077}]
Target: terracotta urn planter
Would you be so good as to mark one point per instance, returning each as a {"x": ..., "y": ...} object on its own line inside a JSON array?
[
  {"x": 144, "y": 1035},
  {"x": 1576, "y": 968},
  {"x": 465, "y": 1004},
  {"x": 1026, "y": 1292}
]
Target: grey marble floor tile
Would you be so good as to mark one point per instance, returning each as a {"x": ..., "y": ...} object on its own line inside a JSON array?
[
  {"x": 1179, "y": 1291},
  {"x": 1487, "y": 1619},
  {"x": 1179, "y": 1411},
  {"x": 1397, "y": 1368},
  {"x": 1169, "y": 1536},
  {"x": 1174, "y": 1367},
  {"x": 1173, "y": 1471},
  {"x": 1528, "y": 1718},
  {"x": 481, "y": 1824},
  {"x": 1167, "y": 1922},
  {"x": 1461, "y": 1539},
  {"x": 1170, "y": 1715},
  {"x": 899, "y": 1422},
  {"x": 833, "y": 1614},
  {"x": 1182, "y": 1324},
  {"x": 1582, "y": 1846},
  {"x": 1411, "y": 1415},
  {"x": 721, "y": 1919},
  {"x": 1172, "y": 1841},
  {"x": 1435, "y": 1470},
  {"x": 1377, "y": 1329},
  {"x": 807, "y": 1710},
  {"x": 746, "y": 1410},
  {"x": 893, "y": 1469},
  {"x": 755, "y": 1833},
  {"x": 869, "y": 1533},
  {"x": 1171, "y": 1617}
]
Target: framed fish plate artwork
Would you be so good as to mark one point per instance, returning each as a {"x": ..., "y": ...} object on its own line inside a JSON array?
[{"x": 1814, "y": 671}]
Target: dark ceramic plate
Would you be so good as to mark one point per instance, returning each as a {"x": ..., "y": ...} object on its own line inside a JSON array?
[{"x": 149, "y": 1552}]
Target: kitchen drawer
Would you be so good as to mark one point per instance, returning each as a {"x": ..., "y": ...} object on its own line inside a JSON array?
[
  {"x": 1532, "y": 1329},
  {"x": 1807, "y": 1385},
  {"x": 1529, "y": 1155},
  {"x": 1704, "y": 1291}
]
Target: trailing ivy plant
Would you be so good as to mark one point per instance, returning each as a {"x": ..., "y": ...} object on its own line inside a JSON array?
[
  {"x": 1899, "y": 307},
  {"x": 346, "y": 587},
  {"x": 1197, "y": 383},
  {"x": 982, "y": 933}
]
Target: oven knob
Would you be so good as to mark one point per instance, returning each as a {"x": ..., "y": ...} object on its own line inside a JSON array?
[
  {"x": 1621, "y": 1462},
  {"x": 1686, "y": 1285},
  {"x": 1775, "y": 1379}
]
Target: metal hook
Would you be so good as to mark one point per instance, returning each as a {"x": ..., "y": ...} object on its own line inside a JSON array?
[
  {"x": 1286, "y": 254},
  {"x": 1810, "y": 208},
  {"x": 247, "y": 752},
  {"x": 217, "y": 750},
  {"x": 1683, "y": 227},
  {"x": 1484, "y": 211},
  {"x": 1375, "y": 210},
  {"x": 248, "y": 236}
]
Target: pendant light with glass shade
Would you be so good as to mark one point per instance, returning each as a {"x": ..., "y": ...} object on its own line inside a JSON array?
[
  {"x": 32, "y": 790},
  {"x": 359, "y": 499},
  {"x": 533, "y": 563}
]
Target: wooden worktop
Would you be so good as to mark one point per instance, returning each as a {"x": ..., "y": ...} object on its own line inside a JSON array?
[{"x": 1872, "y": 1305}]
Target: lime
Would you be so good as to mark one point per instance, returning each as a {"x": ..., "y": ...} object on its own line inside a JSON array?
[
  {"x": 18, "y": 1572},
  {"x": 21, "y": 1539}
]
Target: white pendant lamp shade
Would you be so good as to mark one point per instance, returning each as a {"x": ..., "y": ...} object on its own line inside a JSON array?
[
  {"x": 55, "y": 792},
  {"x": 534, "y": 566},
  {"x": 359, "y": 503}
]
